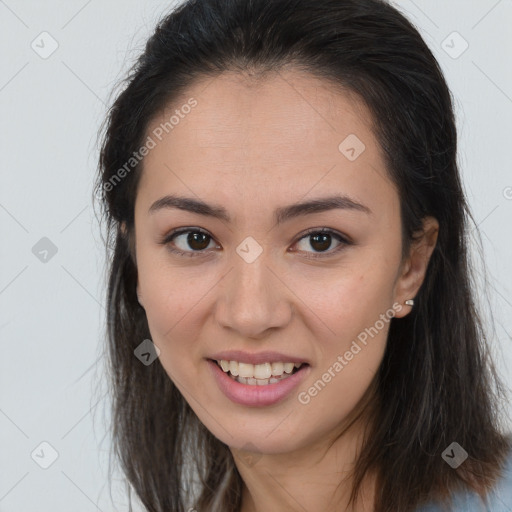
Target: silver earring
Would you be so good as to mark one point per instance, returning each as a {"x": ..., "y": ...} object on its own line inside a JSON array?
[{"x": 409, "y": 302}]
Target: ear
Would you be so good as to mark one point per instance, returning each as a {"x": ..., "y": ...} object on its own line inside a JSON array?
[{"x": 414, "y": 268}]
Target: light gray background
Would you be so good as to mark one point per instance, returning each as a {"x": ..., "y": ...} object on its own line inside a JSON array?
[{"x": 52, "y": 312}]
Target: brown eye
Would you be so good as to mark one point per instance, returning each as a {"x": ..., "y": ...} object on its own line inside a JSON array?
[
  {"x": 188, "y": 242},
  {"x": 197, "y": 241},
  {"x": 321, "y": 240}
]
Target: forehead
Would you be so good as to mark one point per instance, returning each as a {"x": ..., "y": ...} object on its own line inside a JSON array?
[{"x": 286, "y": 133}]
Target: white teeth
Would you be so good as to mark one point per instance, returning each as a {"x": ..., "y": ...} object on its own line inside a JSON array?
[
  {"x": 262, "y": 371},
  {"x": 233, "y": 367},
  {"x": 245, "y": 369},
  {"x": 288, "y": 367},
  {"x": 258, "y": 374},
  {"x": 277, "y": 369},
  {"x": 258, "y": 382}
]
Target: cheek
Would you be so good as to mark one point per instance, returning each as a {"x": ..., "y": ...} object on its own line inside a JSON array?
[
  {"x": 349, "y": 301},
  {"x": 174, "y": 301},
  {"x": 357, "y": 309},
  {"x": 169, "y": 291}
]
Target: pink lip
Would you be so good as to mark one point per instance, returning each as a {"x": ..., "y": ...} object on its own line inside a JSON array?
[
  {"x": 256, "y": 358},
  {"x": 257, "y": 396}
]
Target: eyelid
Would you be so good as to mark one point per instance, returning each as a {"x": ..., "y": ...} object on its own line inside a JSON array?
[
  {"x": 343, "y": 239},
  {"x": 168, "y": 237}
]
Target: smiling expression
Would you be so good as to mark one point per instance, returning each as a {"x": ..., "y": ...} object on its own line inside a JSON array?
[{"x": 253, "y": 274}]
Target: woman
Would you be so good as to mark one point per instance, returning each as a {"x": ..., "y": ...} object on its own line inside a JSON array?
[{"x": 292, "y": 322}]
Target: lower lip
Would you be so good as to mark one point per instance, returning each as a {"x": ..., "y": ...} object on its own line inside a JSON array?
[{"x": 257, "y": 396}]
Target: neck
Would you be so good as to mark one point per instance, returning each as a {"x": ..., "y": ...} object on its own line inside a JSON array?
[{"x": 316, "y": 477}]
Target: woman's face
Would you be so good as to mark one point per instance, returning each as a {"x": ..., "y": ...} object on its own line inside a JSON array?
[{"x": 253, "y": 286}]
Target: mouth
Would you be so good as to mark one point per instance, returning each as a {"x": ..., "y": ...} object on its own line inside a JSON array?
[{"x": 259, "y": 374}]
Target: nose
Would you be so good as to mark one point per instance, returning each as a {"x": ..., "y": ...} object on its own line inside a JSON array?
[{"x": 253, "y": 299}]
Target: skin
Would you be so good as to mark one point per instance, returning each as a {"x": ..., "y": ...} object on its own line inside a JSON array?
[{"x": 252, "y": 146}]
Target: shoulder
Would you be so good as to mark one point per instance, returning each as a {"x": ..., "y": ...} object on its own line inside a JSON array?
[{"x": 499, "y": 499}]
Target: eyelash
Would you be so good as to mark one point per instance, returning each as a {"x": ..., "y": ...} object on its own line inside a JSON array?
[{"x": 191, "y": 254}]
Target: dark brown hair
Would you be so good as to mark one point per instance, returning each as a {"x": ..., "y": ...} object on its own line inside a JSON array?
[{"x": 436, "y": 383}]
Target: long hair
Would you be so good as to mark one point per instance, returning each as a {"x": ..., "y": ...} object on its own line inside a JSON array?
[{"x": 436, "y": 383}]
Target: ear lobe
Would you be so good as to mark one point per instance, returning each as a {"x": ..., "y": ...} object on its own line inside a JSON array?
[{"x": 415, "y": 267}]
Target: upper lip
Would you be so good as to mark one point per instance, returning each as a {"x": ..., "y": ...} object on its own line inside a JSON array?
[{"x": 256, "y": 357}]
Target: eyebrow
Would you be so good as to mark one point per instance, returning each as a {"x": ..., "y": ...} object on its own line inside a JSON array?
[{"x": 281, "y": 214}]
